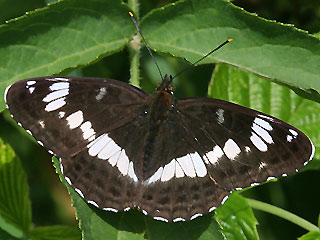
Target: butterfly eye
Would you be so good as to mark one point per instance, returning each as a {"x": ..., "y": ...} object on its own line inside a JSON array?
[{"x": 171, "y": 88}]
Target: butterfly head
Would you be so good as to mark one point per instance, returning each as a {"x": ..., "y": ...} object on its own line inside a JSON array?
[{"x": 166, "y": 85}]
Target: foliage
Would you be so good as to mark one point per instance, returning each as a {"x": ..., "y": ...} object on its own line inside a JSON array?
[{"x": 259, "y": 69}]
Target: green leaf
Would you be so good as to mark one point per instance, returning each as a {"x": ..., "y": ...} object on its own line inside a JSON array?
[
  {"x": 6, "y": 236},
  {"x": 15, "y": 206},
  {"x": 96, "y": 223},
  {"x": 9, "y": 9},
  {"x": 236, "y": 219},
  {"x": 64, "y": 35},
  {"x": 247, "y": 89},
  {"x": 311, "y": 236},
  {"x": 55, "y": 232},
  {"x": 190, "y": 29}
]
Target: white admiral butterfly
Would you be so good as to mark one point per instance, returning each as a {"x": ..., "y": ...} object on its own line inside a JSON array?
[{"x": 175, "y": 159}]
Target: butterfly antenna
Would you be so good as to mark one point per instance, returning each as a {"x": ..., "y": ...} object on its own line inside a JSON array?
[
  {"x": 145, "y": 42},
  {"x": 208, "y": 54}
]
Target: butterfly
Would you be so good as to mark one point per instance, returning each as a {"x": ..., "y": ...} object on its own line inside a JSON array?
[{"x": 174, "y": 159}]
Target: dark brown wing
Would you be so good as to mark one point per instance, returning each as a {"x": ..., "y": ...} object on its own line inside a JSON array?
[
  {"x": 214, "y": 147},
  {"x": 117, "y": 158},
  {"x": 242, "y": 146},
  {"x": 68, "y": 115}
]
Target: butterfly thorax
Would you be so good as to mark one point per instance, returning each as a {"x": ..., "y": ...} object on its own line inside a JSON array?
[
  {"x": 159, "y": 106},
  {"x": 161, "y": 102}
]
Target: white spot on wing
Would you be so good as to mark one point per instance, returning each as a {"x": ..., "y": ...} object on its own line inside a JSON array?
[
  {"x": 312, "y": 152},
  {"x": 161, "y": 219},
  {"x": 110, "y": 209},
  {"x": 270, "y": 178},
  {"x": 254, "y": 184},
  {"x": 75, "y": 119},
  {"x": 156, "y": 176},
  {"x": 61, "y": 168},
  {"x": 98, "y": 144},
  {"x": 263, "y": 123},
  {"x": 293, "y": 132},
  {"x": 262, "y": 133},
  {"x": 220, "y": 116},
  {"x": 179, "y": 172},
  {"x": 61, "y": 114},
  {"x": 258, "y": 142},
  {"x": 114, "y": 158},
  {"x": 87, "y": 130},
  {"x": 109, "y": 149},
  {"x": 101, "y": 93},
  {"x": 56, "y": 104},
  {"x": 123, "y": 163},
  {"x": 79, "y": 192},
  {"x": 93, "y": 137},
  {"x": 31, "y": 89},
  {"x": 6, "y": 93},
  {"x": 179, "y": 219},
  {"x": 212, "y": 209},
  {"x": 41, "y": 123},
  {"x": 199, "y": 166},
  {"x": 289, "y": 138},
  {"x": 168, "y": 171},
  {"x": 247, "y": 149},
  {"x": 60, "y": 79},
  {"x": 195, "y": 216},
  {"x": 187, "y": 165},
  {"x": 231, "y": 149},
  {"x": 55, "y": 95},
  {"x": 30, "y": 82},
  {"x": 224, "y": 200},
  {"x": 262, "y": 165},
  {"x": 93, "y": 203},
  {"x": 266, "y": 117},
  {"x": 68, "y": 180},
  {"x": 59, "y": 85},
  {"x": 215, "y": 154},
  {"x": 131, "y": 172}
]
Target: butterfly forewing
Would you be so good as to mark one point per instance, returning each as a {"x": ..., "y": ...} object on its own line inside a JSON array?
[
  {"x": 66, "y": 113},
  {"x": 174, "y": 159}
]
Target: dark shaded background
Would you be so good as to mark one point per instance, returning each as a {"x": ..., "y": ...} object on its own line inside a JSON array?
[{"x": 49, "y": 197}]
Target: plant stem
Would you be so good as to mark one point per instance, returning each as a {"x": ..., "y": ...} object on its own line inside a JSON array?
[
  {"x": 134, "y": 48},
  {"x": 283, "y": 214}
]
